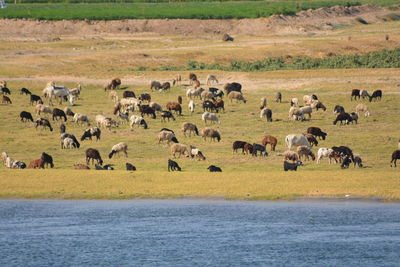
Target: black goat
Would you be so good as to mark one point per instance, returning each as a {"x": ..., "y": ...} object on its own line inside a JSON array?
[
  {"x": 287, "y": 166},
  {"x": 47, "y": 159},
  {"x": 338, "y": 109},
  {"x": 344, "y": 151},
  {"x": 395, "y": 157},
  {"x": 145, "y": 109},
  {"x": 346, "y": 161},
  {"x": 173, "y": 166},
  {"x": 127, "y": 93},
  {"x": 165, "y": 114},
  {"x": 261, "y": 148},
  {"x": 25, "y": 115},
  {"x": 209, "y": 106},
  {"x": 5, "y": 91},
  {"x": 24, "y": 91},
  {"x": 35, "y": 99},
  {"x": 44, "y": 123},
  {"x": 343, "y": 117},
  {"x": 93, "y": 154},
  {"x": 237, "y": 145},
  {"x": 58, "y": 113},
  {"x": 377, "y": 95},
  {"x": 358, "y": 161},
  {"x": 317, "y": 132},
  {"x": 229, "y": 87},
  {"x": 213, "y": 168},
  {"x": 355, "y": 93}
]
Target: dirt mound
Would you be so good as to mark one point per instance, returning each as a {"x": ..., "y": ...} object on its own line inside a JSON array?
[{"x": 311, "y": 20}]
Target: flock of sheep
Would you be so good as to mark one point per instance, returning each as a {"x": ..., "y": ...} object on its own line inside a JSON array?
[{"x": 211, "y": 102}]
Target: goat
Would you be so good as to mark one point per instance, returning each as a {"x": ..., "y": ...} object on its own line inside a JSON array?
[
  {"x": 211, "y": 78},
  {"x": 209, "y": 106},
  {"x": 278, "y": 97},
  {"x": 37, "y": 163},
  {"x": 287, "y": 166},
  {"x": 145, "y": 97},
  {"x": 69, "y": 144},
  {"x": 181, "y": 149},
  {"x": 261, "y": 148},
  {"x": 395, "y": 157},
  {"x": 311, "y": 139},
  {"x": 363, "y": 108},
  {"x": 5, "y": 91},
  {"x": 173, "y": 166},
  {"x": 327, "y": 153},
  {"x": 229, "y": 87},
  {"x": 317, "y": 132},
  {"x": 174, "y": 106},
  {"x": 24, "y": 91},
  {"x": 294, "y": 102},
  {"x": 25, "y": 115},
  {"x": 167, "y": 136},
  {"x": 81, "y": 118},
  {"x": 290, "y": 155},
  {"x": 47, "y": 160},
  {"x": 128, "y": 93},
  {"x": 191, "y": 106},
  {"x": 62, "y": 128},
  {"x": 145, "y": 109},
  {"x": 6, "y": 99},
  {"x": 343, "y": 117},
  {"x": 165, "y": 114},
  {"x": 358, "y": 161},
  {"x": 237, "y": 96},
  {"x": 306, "y": 152},
  {"x": 69, "y": 112},
  {"x": 354, "y": 94},
  {"x": 93, "y": 154},
  {"x": 338, "y": 109},
  {"x": 35, "y": 99},
  {"x": 237, "y": 145},
  {"x": 58, "y": 113},
  {"x": 138, "y": 120},
  {"x": 156, "y": 85},
  {"x": 113, "y": 85},
  {"x": 344, "y": 151},
  {"x": 268, "y": 139},
  {"x": 377, "y": 95},
  {"x": 267, "y": 113}
]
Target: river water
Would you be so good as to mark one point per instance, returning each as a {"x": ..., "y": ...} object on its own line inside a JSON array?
[{"x": 198, "y": 233}]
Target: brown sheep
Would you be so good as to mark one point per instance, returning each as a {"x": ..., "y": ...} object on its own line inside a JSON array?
[
  {"x": 174, "y": 106},
  {"x": 212, "y": 133},
  {"x": 236, "y": 95},
  {"x": 181, "y": 149},
  {"x": 268, "y": 139},
  {"x": 37, "y": 163},
  {"x": 290, "y": 155},
  {"x": 306, "y": 152},
  {"x": 188, "y": 126}
]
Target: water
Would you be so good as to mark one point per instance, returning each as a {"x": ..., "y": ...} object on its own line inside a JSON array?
[{"x": 198, "y": 233}]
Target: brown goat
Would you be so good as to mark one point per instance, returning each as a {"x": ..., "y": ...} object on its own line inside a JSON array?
[
  {"x": 174, "y": 106},
  {"x": 36, "y": 164},
  {"x": 269, "y": 139}
]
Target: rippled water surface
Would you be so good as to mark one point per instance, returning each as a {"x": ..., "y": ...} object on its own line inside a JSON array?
[{"x": 198, "y": 233}]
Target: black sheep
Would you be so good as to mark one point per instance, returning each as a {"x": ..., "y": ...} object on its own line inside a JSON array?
[
  {"x": 345, "y": 162},
  {"x": 395, "y": 157},
  {"x": 344, "y": 151},
  {"x": 35, "y": 99},
  {"x": 93, "y": 154},
  {"x": 145, "y": 109},
  {"x": 343, "y": 117},
  {"x": 58, "y": 113},
  {"x": 377, "y": 95},
  {"x": 238, "y": 144},
  {"x": 25, "y": 115},
  {"x": 209, "y": 106},
  {"x": 287, "y": 166},
  {"x": 88, "y": 133},
  {"x": 5, "y": 91},
  {"x": 355, "y": 93},
  {"x": 24, "y": 91},
  {"x": 213, "y": 168},
  {"x": 47, "y": 159},
  {"x": 166, "y": 114},
  {"x": 261, "y": 148},
  {"x": 338, "y": 109},
  {"x": 128, "y": 94},
  {"x": 44, "y": 123},
  {"x": 173, "y": 166},
  {"x": 229, "y": 87},
  {"x": 317, "y": 132},
  {"x": 65, "y": 135}
]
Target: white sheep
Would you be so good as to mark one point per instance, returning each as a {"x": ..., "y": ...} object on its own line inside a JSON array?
[
  {"x": 363, "y": 108},
  {"x": 67, "y": 143},
  {"x": 208, "y": 116},
  {"x": 295, "y": 114},
  {"x": 191, "y": 106},
  {"x": 167, "y": 136},
  {"x": 236, "y": 95},
  {"x": 78, "y": 117},
  {"x": 40, "y": 108},
  {"x": 306, "y": 110},
  {"x": 120, "y": 147},
  {"x": 294, "y": 102},
  {"x": 137, "y": 120},
  {"x": 324, "y": 152}
]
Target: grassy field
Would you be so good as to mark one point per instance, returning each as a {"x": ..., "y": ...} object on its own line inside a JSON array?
[
  {"x": 172, "y": 10},
  {"x": 93, "y": 62}
]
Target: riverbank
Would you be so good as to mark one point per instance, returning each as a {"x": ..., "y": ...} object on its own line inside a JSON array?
[{"x": 75, "y": 184}]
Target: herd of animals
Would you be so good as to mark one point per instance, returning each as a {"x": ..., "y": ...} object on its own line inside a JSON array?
[{"x": 211, "y": 102}]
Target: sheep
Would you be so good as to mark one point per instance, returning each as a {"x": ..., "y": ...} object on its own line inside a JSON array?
[
  {"x": 364, "y": 94},
  {"x": 219, "y": 104},
  {"x": 175, "y": 107},
  {"x": 307, "y": 100},
  {"x": 37, "y": 163},
  {"x": 363, "y": 108},
  {"x": 192, "y": 78},
  {"x": 237, "y": 145},
  {"x": 107, "y": 123},
  {"x": 311, "y": 139},
  {"x": 208, "y": 116},
  {"x": 206, "y": 95},
  {"x": 76, "y": 91},
  {"x": 296, "y": 114},
  {"x": 191, "y": 106},
  {"x": 296, "y": 140},
  {"x": 188, "y": 126},
  {"x": 327, "y": 153},
  {"x": 6, "y": 99},
  {"x": 268, "y": 139},
  {"x": 294, "y": 102},
  {"x": 130, "y": 102},
  {"x": 137, "y": 120},
  {"x": 25, "y": 115},
  {"x": 173, "y": 166},
  {"x": 166, "y": 114},
  {"x": 69, "y": 112},
  {"x": 167, "y": 136},
  {"x": 261, "y": 148},
  {"x": 24, "y": 91},
  {"x": 229, "y": 87},
  {"x": 211, "y": 78},
  {"x": 62, "y": 128},
  {"x": 58, "y": 113},
  {"x": 213, "y": 168},
  {"x": 263, "y": 103},
  {"x": 317, "y": 132},
  {"x": 306, "y": 152},
  {"x": 343, "y": 117},
  {"x": 93, "y": 154},
  {"x": 237, "y": 96},
  {"x": 343, "y": 151},
  {"x": 278, "y": 97},
  {"x": 88, "y": 133},
  {"x": 358, "y": 162},
  {"x": 156, "y": 85},
  {"x": 267, "y": 113},
  {"x": 354, "y": 117},
  {"x": 354, "y": 94},
  {"x": 113, "y": 96},
  {"x": 194, "y": 93},
  {"x": 290, "y": 155},
  {"x": 338, "y": 109},
  {"x": 47, "y": 159},
  {"x": 395, "y": 157},
  {"x": 306, "y": 110},
  {"x": 67, "y": 143},
  {"x": 209, "y": 106},
  {"x": 248, "y": 149},
  {"x": 44, "y": 123},
  {"x": 5, "y": 91},
  {"x": 212, "y": 133},
  {"x": 81, "y": 118},
  {"x": 196, "y": 84},
  {"x": 145, "y": 97},
  {"x": 120, "y": 147},
  {"x": 291, "y": 166},
  {"x": 155, "y": 106},
  {"x": 145, "y": 109},
  {"x": 123, "y": 117},
  {"x": 127, "y": 94},
  {"x": 114, "y": 84},
  {"x": 43, "y": 109},
  {"x": 181, "y": 149},
  {"x": 35, "y": 99},
  {"x": 75, "y": 142},
  {"x": 317, "y": 105},
  {"x": 196, "y": 153},
  {"x": 377, "y": 95}
]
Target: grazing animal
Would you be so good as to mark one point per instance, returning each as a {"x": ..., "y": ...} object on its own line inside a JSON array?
[
  {"x": 44, "y": 123},
  {"x": 307, "y": 100},
  {"x": 61, "y": 92},
  {"x": 58, "y": 113},
  {"x": 287, "y": 166},
  {"x": 354, "y": 94},
  {"x": 364, "y": 94},
  {"x": 76, "y": 91},
  {"x": 248, "y": 149},
  {"x": 145, "y": 109},
  {"x": 290, "y": 155},
  {"x": 165, "y": 86},
  {"x": 107, "y": 123},
  {"x": 168, "y": 130},
  {"x": 43, "y": 109},
  {"x": 261, "y": 148},
  {"x": 177, "y": 80},
  {"x": 179, "y": 100},
  {"x": 306, "y": 152},
  {"x": 47, "y": 159},
  {"x": 24, "y": 91},
  {"x": 358, "y": 161},
  {"x": 155, "y": 106},
  {"x": 173, "y": 166},
  {"x": 113, "y": 85},
  {"x": 219, "y": 104},
  {"x": 127, "y": 94},
  {"x": 191, "y": 106},
  {"x": 69, "y": 144},
  {"x": 188, "y": 126},
  {"x": 93, "y": 154},
  {"x": 212, "y": 117},
  {"x": 181, "y": 149},
  {"x": 311, "y": 139},
  {"x": 213, "y": 168},
  {"x": 318, "y": 105},
  {"x": 88, "y": 133},
  {"x": 211, "y": 79},
  {"x": 130, "y": 167},
  {"x": 5, "y": 91},
  {"x": 376, "y": 95},
  {"x": 395, "y": 157},
  {"x": 35, "y": 99},
  {"x": 81, "y": 167},
  {"x": 267, "y": 113},
  {"x": 278, "y": 97},
  {"x": 317, "y": 132},
  {"x": 229, "y": 87},
  {"x": 120, "y": 147},
  {"x": 345, "y": 162},
  {"x": 344, "y": 151},
  {"x": 69, "y": 112},
  {"x": 363, "y": 108},
  {"x": 296, "y": 140},
  {"x": 175, "y": 107},
  {"x": 294, "y": 102},
  {"x": 196, "y": 153},
  {"x": 324, "y": 152},
  {"x": 62, "y": 128},
  {"x": 156, "y": 85},
  {"x": 145, "y": 97},
  {"x": 237, "y": 96},
  {"x": 36, "y": 164},
  {"x": 81, "y": 118},
  {"x": 114, "y": 96},
  {"x": 206, "y": 95},
  {"x": 167, "y": 136},
  {"x": 343, "y": 117},
  {"x": 354, "y": 117},
  {"x": 209, "y": 106},
  {"x": 306, "y": 110},
  {"x": 26, "y": 116},
  {"x": 338, "y": 109},
  {"x": 211, "y": 133},
  {"x": 263, "y": 103},
  {"x": 238, "y": 145},
  {"x": 194, "y": 93},
  {"x": 196, "y": 84},
  {"x": 192, "y": 78},
  {"x": 138, "y": 120},
  {"x": 269, "y": 139},
  {"x": 217, "y": 93},
  {"x": 165, "y": 114},
  {"x": 6, "y": 100},
  {"x": 296, "y": 114}
]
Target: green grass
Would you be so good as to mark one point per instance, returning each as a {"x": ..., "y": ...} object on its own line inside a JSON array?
[{"x": 58, "y": 10}]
